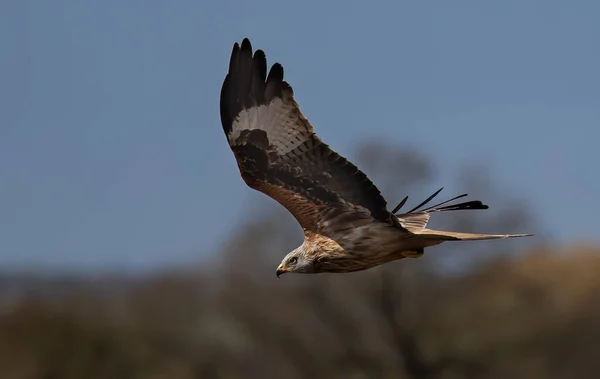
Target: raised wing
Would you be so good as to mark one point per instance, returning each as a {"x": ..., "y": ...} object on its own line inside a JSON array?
[{"x": 279, "y": 154}]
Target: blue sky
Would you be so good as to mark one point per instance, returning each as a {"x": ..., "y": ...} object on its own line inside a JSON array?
[{"x": 112, "y": 153}]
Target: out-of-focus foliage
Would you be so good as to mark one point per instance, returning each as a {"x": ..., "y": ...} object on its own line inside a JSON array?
[
  {"x": 530, "y": 317},
  {"x": 512, "y": 310}
]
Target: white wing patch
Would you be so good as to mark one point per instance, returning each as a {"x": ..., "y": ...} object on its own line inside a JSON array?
[{"x": 285, "y": 130}]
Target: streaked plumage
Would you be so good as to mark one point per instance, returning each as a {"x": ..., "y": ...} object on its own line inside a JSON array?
[{"x": 347, "y": 226}]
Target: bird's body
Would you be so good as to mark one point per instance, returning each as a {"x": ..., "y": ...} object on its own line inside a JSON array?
[
  {"x": 356, "y": 249},
  {"x": 347, "y": 226}
]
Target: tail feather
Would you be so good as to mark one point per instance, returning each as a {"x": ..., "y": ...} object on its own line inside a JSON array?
[{"x": 443, "y": 235}]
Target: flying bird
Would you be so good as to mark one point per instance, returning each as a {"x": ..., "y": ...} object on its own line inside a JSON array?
[{"x": 347, "y": 225}]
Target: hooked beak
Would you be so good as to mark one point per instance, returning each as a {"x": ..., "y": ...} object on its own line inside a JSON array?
[{"x": 281, "y": 270}]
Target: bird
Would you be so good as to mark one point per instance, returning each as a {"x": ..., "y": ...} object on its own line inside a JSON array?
[{"x": 345, "y": 219}]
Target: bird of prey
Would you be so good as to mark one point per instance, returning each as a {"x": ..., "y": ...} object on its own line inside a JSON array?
[{"x": 347, "y": 226}]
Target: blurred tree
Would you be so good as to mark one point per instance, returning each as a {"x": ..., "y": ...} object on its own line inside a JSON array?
[{"x": 530, "y": 314}]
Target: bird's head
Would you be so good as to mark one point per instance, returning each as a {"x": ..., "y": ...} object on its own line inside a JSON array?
[{"x": 296, "y": 261}]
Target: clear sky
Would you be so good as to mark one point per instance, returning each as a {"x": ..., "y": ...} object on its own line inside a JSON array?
[{"x": 112, "y": 153}]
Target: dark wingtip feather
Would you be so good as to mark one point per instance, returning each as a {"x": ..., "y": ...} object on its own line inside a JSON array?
[
  {"x": 259, "y": 75},
  {"x": 474, "y": 204},
  {"x": 260, "y": 64},
  {"x": 400, "y": 205},
  {"x": 233, "y": 57},
  {"x": 246, "y": 45},
  {"x": 276, "y": 73},
  {"x": 426, "y": 200},
  {"x": 274, "y": 86},
  {"x": 444, "y": 202},
  {"x": 247, "y": 84},
  {"x": 226, "y": 120}
]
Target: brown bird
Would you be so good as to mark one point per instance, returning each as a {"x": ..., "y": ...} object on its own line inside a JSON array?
[{"x": 347, "y": 226}]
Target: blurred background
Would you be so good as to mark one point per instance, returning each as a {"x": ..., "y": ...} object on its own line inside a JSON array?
[{"x": 131, "y": 248}]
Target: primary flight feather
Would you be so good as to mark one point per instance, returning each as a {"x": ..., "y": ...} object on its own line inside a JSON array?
[{"x": 347, "y": 226}]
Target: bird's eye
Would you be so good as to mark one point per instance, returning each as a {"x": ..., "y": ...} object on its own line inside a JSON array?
[{"x": 293, "y": 260}]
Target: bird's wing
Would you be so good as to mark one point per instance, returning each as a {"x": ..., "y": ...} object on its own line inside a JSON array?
[{"x": 279, "y": 154}]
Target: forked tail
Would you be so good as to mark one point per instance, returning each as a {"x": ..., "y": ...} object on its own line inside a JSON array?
[
  {"x": 416, "y": 220},
  {"x": 443, "y": 235}
]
